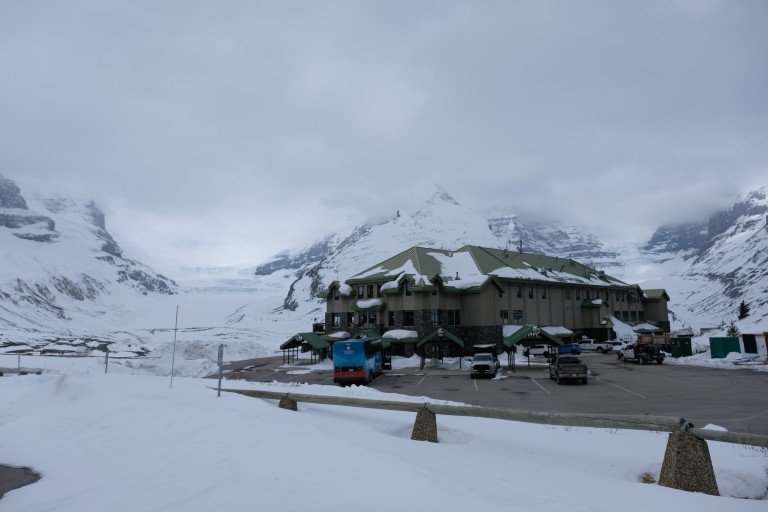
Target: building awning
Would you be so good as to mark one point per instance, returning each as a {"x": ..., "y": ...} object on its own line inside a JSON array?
[
  {"x": 369, "y": 305},
  {"x": 445, "y": 334},
  {"x": 310, "y": 338},
  {"x": 525, "y": 332},
  {"x": 593, "y": 303}
]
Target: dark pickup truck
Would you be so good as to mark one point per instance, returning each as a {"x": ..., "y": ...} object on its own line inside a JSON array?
[{"x": 568, "y": 368}]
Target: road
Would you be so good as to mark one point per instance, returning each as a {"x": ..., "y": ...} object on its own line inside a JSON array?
[{"x": 735, "y": 399}]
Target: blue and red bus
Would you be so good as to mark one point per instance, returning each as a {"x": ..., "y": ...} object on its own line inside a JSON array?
[{"x": 356, "y": 361}]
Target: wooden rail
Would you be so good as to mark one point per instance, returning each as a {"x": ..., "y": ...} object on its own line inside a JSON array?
[{"x": 610, "y": 421}]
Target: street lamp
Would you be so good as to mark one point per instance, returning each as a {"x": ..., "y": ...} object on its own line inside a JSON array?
[{"x": 440, "y": 334}]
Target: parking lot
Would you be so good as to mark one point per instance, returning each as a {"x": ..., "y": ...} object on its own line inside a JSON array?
[{"x": 735, "y": 399}]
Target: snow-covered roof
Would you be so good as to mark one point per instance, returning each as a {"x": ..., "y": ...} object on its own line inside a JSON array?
[
  {"x": 400, "y": 334},
  {"x": 473, "y": 266}
]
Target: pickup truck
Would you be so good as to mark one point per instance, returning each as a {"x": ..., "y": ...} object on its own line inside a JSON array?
[
  {"x": 642, "y": 353},
  {"x": 599, "y": 346},
  {"x": 568, "y": 368},
  {"x": 484, "y": 364}
]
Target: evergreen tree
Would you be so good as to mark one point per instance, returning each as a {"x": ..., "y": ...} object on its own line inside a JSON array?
[
  {"x": 732, "y": 330},
  {"x": 743, "y": 310}
]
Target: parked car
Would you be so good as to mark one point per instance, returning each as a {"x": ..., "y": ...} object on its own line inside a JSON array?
[
  {"x": 571, "y": 348},
  {"x": 599, "y": 346},
  {"x": 568, "y": 368},
  {"x": 537, "y": 350},
  {"x": 484, "y": 364}
]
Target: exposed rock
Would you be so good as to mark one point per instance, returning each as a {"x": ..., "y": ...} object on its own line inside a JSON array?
[
  {"x": 10, "y": 195},
  {"x": 16, "y": 215}
]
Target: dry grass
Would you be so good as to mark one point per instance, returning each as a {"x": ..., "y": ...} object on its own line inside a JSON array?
[{"x": 647, "y": 478}]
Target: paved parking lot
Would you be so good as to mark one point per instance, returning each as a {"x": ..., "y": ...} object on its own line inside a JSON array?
[{"x": 736, "y": 399}]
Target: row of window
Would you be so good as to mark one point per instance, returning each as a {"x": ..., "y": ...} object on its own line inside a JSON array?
[
  {"x": 453, "y": 317},
  {"x": 371, "y": 291},
  {"x": 518, "y": 319},
  {"x": 370, "y": 318}
]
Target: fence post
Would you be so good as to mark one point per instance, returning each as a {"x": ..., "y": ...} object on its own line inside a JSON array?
[
  {"x": 288, "y": 403},
  {"x": 425, "y": 427},
  {"x": 687, "y": 464}
]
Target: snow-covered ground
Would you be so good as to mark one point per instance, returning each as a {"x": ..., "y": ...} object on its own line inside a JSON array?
[{"x": 128, "y": 441}]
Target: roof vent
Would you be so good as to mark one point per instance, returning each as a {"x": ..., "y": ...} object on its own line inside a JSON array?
[{"x": 457, "y": 276}]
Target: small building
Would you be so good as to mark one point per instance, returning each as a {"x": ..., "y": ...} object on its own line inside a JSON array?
[{"x": 471, "y": 293}]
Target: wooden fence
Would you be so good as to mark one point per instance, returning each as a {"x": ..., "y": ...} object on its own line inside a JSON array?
[{"x": 609, "y": 421}]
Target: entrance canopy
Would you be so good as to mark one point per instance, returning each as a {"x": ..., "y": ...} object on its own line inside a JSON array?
[
  {"x": 441, "y": 335},
  {"x": 305, "y": 338},
  {"x": 514, "y": 334}
]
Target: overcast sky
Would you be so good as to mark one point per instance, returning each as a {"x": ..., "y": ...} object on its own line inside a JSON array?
[{"x": 223, "y": 132}]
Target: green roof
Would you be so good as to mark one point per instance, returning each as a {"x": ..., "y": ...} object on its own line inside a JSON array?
[
  {"x": 314, "y": 340},
  {"x": 422, "y": 263},
  {"x": 429, "y": 266},
  {"x": 655, "y": 294}
]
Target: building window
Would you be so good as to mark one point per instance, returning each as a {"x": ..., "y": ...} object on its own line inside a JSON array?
[
  {"x": 641, "y": 316},
  {"x": 350, "y": 318},
  {"x": 625, "y": 316},
  {"x": 370, "y": 291},
  {"x": 504, "y": 314},
  {"x": 408, "y": 318},
  {"x": 517, "y": 316},
  {"x": 453, "y": 317},
  {"x": 378, "y": 289},
  {"x": 371, "y": 318},
  {"x": 633, "y": 316},
  {"x": 567, "y": 293},
  {"x": 361, "y": 291},
  {"x": 578, "y": 294},
  {"x": 336, "y": 320},
  {"x": 543, "y": 292},
  {"x": 434, "y": 316},
  {"x": 391, "y": 318},
  {"x": 361, "y": 318},
  {"x": 586, "y": 294},
  {"x": 530, "y": 292},
  {"x": 519, "y": 292},
  {"x": 408, "y": 291}
]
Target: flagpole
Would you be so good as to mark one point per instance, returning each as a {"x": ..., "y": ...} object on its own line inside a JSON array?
[{"x": 175, "y": 328}]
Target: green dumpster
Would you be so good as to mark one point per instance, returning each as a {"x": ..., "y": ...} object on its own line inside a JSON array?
[
  {"x": 721, "y": 347},
  {"x": 681, "y": 347}
]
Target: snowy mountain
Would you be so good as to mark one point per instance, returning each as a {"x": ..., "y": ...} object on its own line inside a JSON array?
[
  {"x": 66, "y": 281},
  {"x": 726, "y": 263},
  {"x": 61, "y": 267}
]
